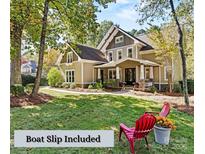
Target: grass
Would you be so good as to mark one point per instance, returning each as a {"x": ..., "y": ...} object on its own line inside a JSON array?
[{"x": 99, "y": 112}]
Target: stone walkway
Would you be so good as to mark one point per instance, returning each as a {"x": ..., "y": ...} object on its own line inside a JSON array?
[{"x": 137, "y": 94}]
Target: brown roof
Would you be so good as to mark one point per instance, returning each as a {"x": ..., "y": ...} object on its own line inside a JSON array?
[{"x": 89, "y": 53}]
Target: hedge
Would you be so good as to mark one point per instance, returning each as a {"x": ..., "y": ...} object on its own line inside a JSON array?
[
  {"x": 27, "y": 79},
  {"x": 190, "y": 85}
]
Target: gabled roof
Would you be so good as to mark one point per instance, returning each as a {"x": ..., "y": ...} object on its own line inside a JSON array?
[
  {"x": 115, "y": 63},
  {"x": 89, "y": 53},
  {"x": 136, "y": 39}
]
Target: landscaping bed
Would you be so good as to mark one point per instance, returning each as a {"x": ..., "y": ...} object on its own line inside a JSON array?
[
  {"x": 184, "y": 108},
  {"x": 24, "y": 100}
]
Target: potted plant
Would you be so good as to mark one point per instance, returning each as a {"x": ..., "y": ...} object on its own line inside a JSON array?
[{"x": 162, "y": 130}]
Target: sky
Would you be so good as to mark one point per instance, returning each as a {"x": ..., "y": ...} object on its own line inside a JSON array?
[{"x": 122, "y": 13}]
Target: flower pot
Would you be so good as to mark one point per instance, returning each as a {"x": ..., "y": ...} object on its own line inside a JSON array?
[{"x": 162, "y": 135}]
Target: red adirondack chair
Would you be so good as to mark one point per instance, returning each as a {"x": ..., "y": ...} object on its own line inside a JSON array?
[
  {"x": 142, "y": 127},
  {"x": 164, "y": 112}
]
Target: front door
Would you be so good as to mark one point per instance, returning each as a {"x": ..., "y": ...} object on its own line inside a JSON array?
[
  {"x": 130, "y": 75},
  {"x": 102, "y": 76}
]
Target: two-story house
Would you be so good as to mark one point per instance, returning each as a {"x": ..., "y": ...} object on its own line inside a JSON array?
[{"x": 119, "y": 56}]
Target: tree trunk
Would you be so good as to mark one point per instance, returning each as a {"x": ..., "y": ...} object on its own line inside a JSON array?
[
  {"x": 16, "y": 35},
  {"x": 181, "y": 50},
  {"x": 42, "y": 47}
]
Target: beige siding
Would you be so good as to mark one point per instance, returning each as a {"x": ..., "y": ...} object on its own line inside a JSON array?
[
  {"x": 88, "y": 73},
  {"x": 75, "y": 66}
]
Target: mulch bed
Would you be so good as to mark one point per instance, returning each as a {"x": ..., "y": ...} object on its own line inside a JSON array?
[
  {"x": 174, "y": 94},
  {"x": 25, "y": 100},
  {"x": 184, "y": 108}
]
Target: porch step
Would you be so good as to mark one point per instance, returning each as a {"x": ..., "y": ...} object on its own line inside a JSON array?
[{"x": 128, "y": 87}]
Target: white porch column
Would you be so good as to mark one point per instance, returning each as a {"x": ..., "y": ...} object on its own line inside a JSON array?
[
  {"x": 117, "y": 73},
  {"x": 141, "y": 72},
  {"x": 151, "y": 75},
  {"x": 137, "y": 73},
  {"x": 99, "y": 76},
  {"x": 160, "y": 77}
]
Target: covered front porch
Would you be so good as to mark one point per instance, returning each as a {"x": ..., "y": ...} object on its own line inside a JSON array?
[{"x": 129, "y": 72}]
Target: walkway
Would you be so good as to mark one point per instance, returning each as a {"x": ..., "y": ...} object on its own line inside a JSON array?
[{"x": 137, "y": 94}]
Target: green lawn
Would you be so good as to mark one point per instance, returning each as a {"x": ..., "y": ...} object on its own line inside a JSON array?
[{"x": 96, "y": 112}]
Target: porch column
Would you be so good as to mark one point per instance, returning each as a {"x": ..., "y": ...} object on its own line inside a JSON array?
[
  {"x": 99, "y": 76},
  {"x": 160, "y": 77},
  {"x": 151, "y": 75},
  {"x": 137, "y": 73},
  {"x": 141, "y": 72},
  {"x": 117, "y": 73}
]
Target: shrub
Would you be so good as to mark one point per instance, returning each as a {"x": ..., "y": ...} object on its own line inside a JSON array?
[
  {"x": 59, "y": 84},
  {"x": 90, "y": 86},
  {"x": 72, "y": 85},
  {"x": 153, "y": 89},
  {"x": 28, "y": 88},
  {"x": 17, "y": 90},
  {"x": 177, "y": 88},
  {"x": 54, "y": 77},
  {"x": 110, "y": 84},
  {"x": 44, "y": 82},
  {"x": 26, "y": 79},
  {"x": 98, "y": 85},
  {"x": 66, "y": 85},
  {"x": 190, "y": 85}
]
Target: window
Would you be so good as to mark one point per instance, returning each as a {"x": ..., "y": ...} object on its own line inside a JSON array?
[
  {"x": 119, "y": 39},
  {"x": 70, "y": 76},
  {"x": 129, "y": 52},
  {"x": 111, "y": 74},
  {"x": 119, "y": 54},
  {"x": 147, "y": 73},
  {"x": 110, "y": 56},
  {"x": 70, "y": 57}
]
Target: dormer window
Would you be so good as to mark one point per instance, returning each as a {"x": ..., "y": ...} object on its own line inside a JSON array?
[
  {"x": 110, "y": 58},
  {"x": 119, "y": 54},
  {"x": 129, "y": 52},
  {"x": 119, "y": 39},
  {"x": 70, "y": 57}
]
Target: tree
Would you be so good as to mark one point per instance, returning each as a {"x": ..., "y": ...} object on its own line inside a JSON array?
[
  {"x": 95, "y": 38},
  {"x": 69, "y": 20},
  {"x": 24, "y": 27},
  {"x": 164, "y": 40},
  {"x": 151, "y": 10},
  {"x": 50, "y": 59},
  {"x": 19, "y": 15},
  {"x": 42, "y": 48},
  {"x": 135, "y": 32}
]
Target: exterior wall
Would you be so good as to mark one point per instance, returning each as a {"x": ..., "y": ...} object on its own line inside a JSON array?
[
  {"x": 124, "y": 52},
  {"x": 76, "y": 66},
  {"x": 87, "y": 70},
  {"x": 88, "y": 73},
  {"x": 127, "y": 41}
]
